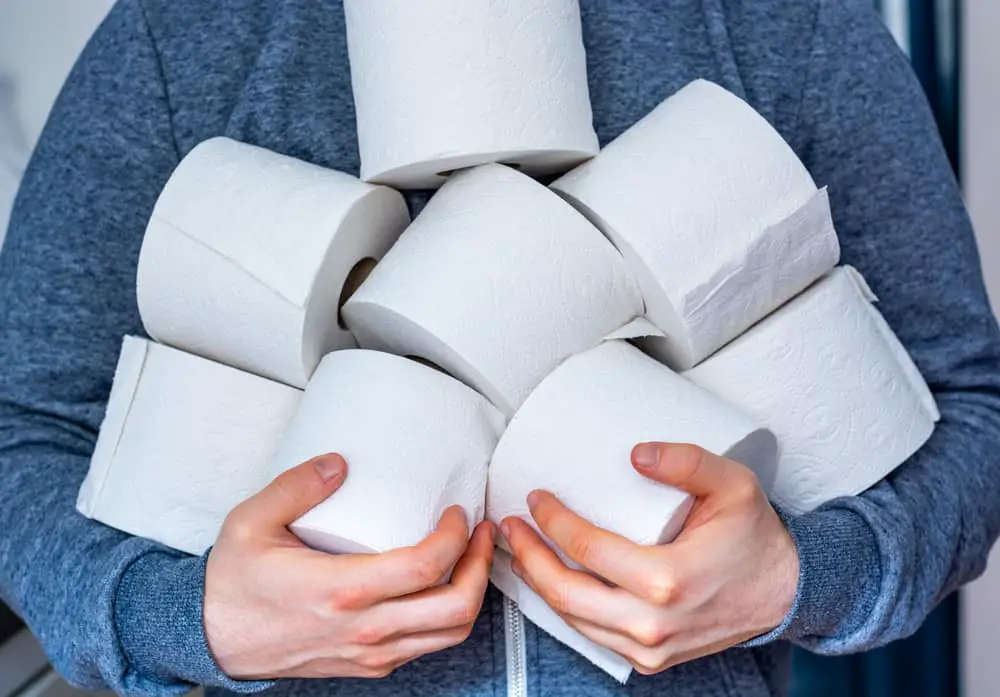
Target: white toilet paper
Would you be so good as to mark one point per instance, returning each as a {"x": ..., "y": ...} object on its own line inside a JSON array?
[
  {"x": 716, "y": 216},
  {"x": 416, "y": 442},
  {"x": 828, "y": 376},
  {"x": 573, "y": 436},
  {"x": 184, "y": 440},
  {"x": 441, "y": 85},
  {"x": 247, "y": 253},
  {"x": 497, "y": 281}
]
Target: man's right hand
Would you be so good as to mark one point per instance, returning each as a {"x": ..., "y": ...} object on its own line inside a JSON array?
[{"x": 274, "y": 608}]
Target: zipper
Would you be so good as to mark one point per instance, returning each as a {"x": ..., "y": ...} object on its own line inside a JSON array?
[{"x": 517, "y": 671}]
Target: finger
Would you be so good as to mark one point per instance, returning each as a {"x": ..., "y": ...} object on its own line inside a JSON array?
[
  {"x": 291, "y": 495},
  {"x": 625, "y": 614},
  {"x": 383, "y": 659},
  {"x": 374, "y": 578},
  {"x": 645, "y": 659},
  {"x": 655, "y": 658},
  {"x": 610, "y": 556},
  {"x": 689, "y": 468},
  {"x": 450, "y": 606},
  {"x": 567, "y": 591}
]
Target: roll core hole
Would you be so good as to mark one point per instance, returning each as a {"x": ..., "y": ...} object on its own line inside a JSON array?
[
  {"x": 355, "y": 277},
  {"x": 429, "y": 364}
]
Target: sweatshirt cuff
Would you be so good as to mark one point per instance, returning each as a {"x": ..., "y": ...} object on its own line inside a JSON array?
[
  {"x": 839, "y": 576},
  {"x": 158, "y": 617}
]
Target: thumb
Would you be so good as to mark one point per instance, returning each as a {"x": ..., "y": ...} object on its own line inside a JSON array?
[
  {"x": 687, "y": 467},
  {"x": 293, "y": 493}
]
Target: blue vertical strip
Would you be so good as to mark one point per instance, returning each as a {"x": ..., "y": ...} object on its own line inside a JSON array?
[{"x": 934, "y": 41}]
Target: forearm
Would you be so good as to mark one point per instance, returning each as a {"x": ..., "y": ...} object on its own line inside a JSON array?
[{"x": 112, "y": 611}]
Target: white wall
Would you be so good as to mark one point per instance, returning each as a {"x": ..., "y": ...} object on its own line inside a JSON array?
[
  {"x": 981, "y": 180},
  {"x": 39, "y": 42}
]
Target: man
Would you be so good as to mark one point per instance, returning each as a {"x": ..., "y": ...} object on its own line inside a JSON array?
[{"x": 713, "y": 614}]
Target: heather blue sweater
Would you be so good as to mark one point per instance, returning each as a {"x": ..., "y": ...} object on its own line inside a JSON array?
[{"x": 162, "y": 75}]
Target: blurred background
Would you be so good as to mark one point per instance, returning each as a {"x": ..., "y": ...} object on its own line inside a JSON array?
[{"x": 955, "y": 52}]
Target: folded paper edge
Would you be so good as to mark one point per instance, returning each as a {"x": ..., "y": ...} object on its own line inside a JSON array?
[
  {"x": 638, "y": 328},
  {"x": 129, "y": 372},
  {"x": 160, "y": 219},
  {"x": 860, "y": 282}
]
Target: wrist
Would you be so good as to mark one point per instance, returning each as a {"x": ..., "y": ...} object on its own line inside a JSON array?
[
  {"x": 159, "y": 621},
  {"x": 784, "y": 579}
]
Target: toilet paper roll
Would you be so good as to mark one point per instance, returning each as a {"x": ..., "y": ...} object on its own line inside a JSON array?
[
  {"x": 248, "y": 252},
  {"x": 416, "y": 440},
  {"x": 441, "y": 86},
  {"x": 829, "y": 377},
  {"x": 184, "y": 441},
  {"x": 574, "y": 434},
  {"x": 717, "y": 218},
  {"x": 497, "y": 281},
  {"x": 573, "y": 437}
]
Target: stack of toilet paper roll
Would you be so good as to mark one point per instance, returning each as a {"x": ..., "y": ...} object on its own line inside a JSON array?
[
  {"x": 489, "y": 348},
  {"x": 245, "y": 262},
  {"x": 717, "y": 234}
]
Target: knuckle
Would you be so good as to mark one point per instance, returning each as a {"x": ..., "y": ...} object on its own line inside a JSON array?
[
  {"x": 579, "y": 546},
  {"x": 346, "y": 598},
  {"x": 688, "y": 458},
  {"x": 650, "y": 632},
  {"x": 644, "y": 669},
  {"x": 559, "y": 597},
  {"x": 283, "y": 486},
  {"x": 377, "y": 673},
  {"x": 641, "y": 668},
  {"x": 744, "y": 485},
  {"x": 464, "y": 612},
  {"x": 374, "y": 662},
  {"x": 660, "y": 588},
  {"x": 426, "y": 570},
  {"x": 650, "y": 662},
  {"x": 456, "y": 637},
  {"x": 239, "y": 525},
  {"x": 369, "y": 635}
]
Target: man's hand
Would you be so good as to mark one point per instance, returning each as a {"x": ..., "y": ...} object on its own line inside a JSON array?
[
  {"x": 730, "y": 575},
  {"x": 275, "y": 608}
]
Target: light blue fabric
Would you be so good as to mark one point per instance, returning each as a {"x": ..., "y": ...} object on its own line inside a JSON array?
[{"x": 163, "y": 75}]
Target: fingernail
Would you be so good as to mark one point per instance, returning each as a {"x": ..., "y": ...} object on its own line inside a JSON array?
[
  {"x": 646, "y": 455},
  {"x": 330, "y": 468},
  {"x": 534, "y": 498},
  {"x": 505, "y": 530},
  {"x": 516, "y": 567}
]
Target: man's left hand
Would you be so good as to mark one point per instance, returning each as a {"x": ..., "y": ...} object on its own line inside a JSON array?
[{"x": 730, "y": 575}]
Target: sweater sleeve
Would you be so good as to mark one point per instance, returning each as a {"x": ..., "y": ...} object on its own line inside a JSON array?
[
  {"x": 873, "y": 566},
  {"x": 112, "y": 611}
]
